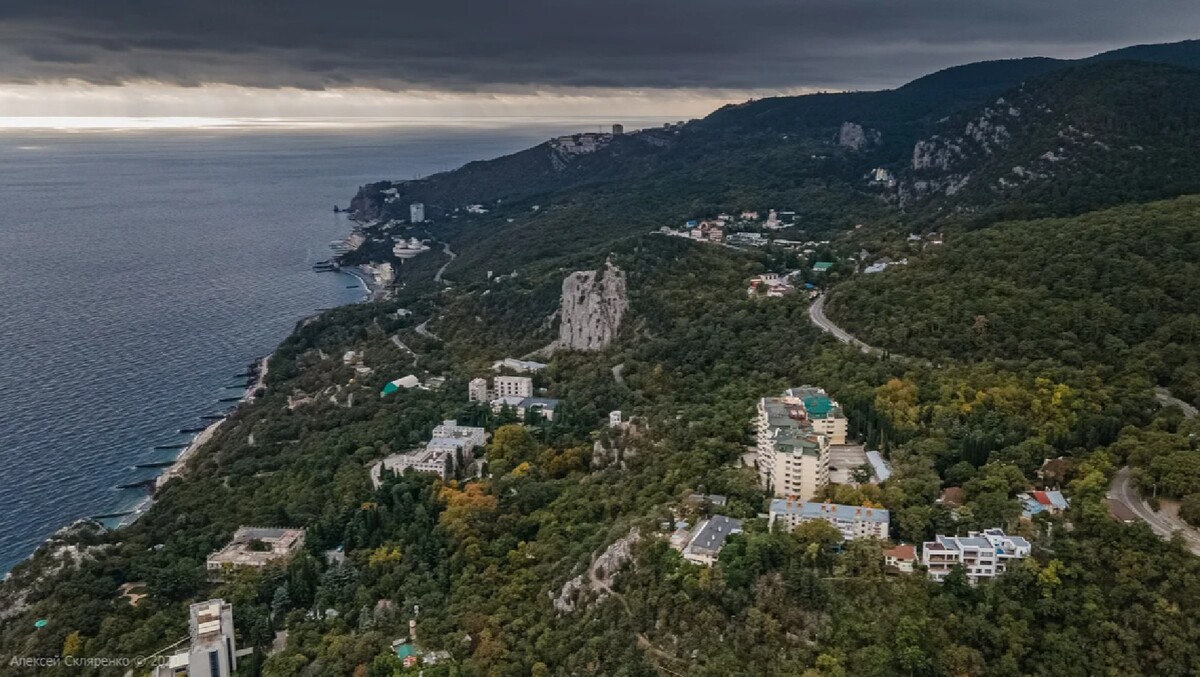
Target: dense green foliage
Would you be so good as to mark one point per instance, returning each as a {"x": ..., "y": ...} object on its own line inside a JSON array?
[{"x": 1118, "y": 289}]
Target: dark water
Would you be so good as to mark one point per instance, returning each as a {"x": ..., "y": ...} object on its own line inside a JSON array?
[{"x": 139, "y": 272}]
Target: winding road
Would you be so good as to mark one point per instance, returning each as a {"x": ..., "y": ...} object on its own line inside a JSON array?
[
  {"x": 437, "y": 277},
  {"x": 1161, "y": 523},
  {"x": 816, "y": 312}
]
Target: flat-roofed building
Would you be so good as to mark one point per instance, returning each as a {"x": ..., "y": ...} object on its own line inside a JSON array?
[
  {"x": 823, "y": 412},
  {"x": 512, "y": 386},
  {"x": 257, "y": 547},
  {"x": 213, "y": 650},
  {"x": 474, "y": 436},
  {"x": 477, "y": 390},
  {"x": 519, "y": 366},
  {"x": 982, "y": 554},
  {"x": 449, "y": 448}
]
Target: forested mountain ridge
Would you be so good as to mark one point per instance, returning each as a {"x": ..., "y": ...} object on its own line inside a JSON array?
[
  {"x": 1070, "y": 141},
  {"x": 900, "y": 129}
]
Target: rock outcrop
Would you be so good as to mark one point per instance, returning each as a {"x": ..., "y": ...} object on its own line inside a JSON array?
[
  {"x": 597, "y": 580},
  {"x": 593, "y": 304},
  {"x": 853, "y": 136}
]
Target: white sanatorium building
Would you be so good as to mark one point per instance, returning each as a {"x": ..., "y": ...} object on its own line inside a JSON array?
[
  {"x": 448, "y": 443},
  {"x": 242, "y": 550},
  {"x": 854, "y": 521},
  {"x": 983, "y": 554},
  {"x": 794, "y": 434}
]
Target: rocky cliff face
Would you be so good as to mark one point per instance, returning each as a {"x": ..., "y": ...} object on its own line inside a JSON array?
[
  {"x": 593, "y": 303},
  {"x": 853, "y": 136}
]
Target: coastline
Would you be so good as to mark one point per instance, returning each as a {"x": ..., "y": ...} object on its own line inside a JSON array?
[{"x": 179, "y": 465}]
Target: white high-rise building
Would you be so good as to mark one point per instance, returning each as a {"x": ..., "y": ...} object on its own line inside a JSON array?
[
  {"x": 794, "y": 435},
  {"x": 477, "y": 390},
  {"x": 213, "y": 652},
  {"x": 416, "y": 212}
]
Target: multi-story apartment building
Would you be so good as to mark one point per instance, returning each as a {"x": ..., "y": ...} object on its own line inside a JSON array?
[
  {"x": 477, "y": 390},
  {"x": 794, "y": 434},
  {"x": 793, "y": 463},
  {"x": 512, "y": 386},
  {"x": 824, "y": 413},
  {"x": 984, "y": 554},
  {"x": 854, "y": 521}
]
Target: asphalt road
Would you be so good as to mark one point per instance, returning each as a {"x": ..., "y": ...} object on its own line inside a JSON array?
[
  {"x": 1164, "y": 525},
  {"x": 437, "y": 277},
  {"x": 1122, "y": 489},
  {"x": 816, "y": 312},
  {"x": 1167, "y": 399}
]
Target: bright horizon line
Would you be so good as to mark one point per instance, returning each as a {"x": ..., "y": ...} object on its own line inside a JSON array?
[
  {"x": 170, "y": 122},
  {"x": 80, "y": 106}
]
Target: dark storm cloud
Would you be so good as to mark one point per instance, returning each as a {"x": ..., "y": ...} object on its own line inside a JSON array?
[{"x": 520, "y": 44}]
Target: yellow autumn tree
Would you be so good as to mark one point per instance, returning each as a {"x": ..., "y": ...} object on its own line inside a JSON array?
[
  {"x": 897, "y": 400},
  {"x": 464, "y": 507}
]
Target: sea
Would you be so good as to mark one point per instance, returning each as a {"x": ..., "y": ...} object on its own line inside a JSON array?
[{"x": 141, "y": 270}]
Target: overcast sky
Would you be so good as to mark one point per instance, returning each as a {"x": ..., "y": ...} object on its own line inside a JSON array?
[{"x": 516, "y": 50}]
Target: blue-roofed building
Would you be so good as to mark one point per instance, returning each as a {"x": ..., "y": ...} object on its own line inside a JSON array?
[
  {"x": 854, "y": 521},
  {"x": 1034, "y": 502},
  {"x": 879, "y": 466},
  {"x": 982, "y": 554}
]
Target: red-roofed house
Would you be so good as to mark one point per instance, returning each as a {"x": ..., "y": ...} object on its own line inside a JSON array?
[{"x": 902, "y": 558}]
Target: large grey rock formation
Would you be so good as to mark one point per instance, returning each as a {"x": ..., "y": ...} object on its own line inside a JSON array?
[
  {"x": 593, "y": 303},
  {"x": 852, "y": 135}
]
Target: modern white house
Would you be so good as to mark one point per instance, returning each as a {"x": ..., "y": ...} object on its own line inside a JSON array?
[
  {"x": 983, "y": 554},
  {"x": 853, "y": 521}
]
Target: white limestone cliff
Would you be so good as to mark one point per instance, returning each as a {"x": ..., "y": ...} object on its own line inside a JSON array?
[{"x": 593, "y": 304}]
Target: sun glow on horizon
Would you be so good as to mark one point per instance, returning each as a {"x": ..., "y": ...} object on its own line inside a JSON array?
[{"x": 74, "y": 106}]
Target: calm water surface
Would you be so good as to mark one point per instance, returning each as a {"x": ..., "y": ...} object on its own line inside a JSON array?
[{"x": 140, "y": 271}]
